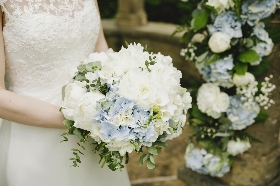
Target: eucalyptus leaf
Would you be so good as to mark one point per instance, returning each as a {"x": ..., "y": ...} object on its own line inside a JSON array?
[
  {"x": 81, "y": 68},
  {"x": 68, "y": 123},
  {"x": 78, "y": 133},
  {"x": 152, "y": 150},
  {"x": 152, "y": 159},
  {"x": 150, "y": 165},
  {"x": 248, "y": 56},
  {"x": 159, "y": 143}
]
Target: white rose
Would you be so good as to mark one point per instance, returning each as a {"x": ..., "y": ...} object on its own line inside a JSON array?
[
  {"x": 211, "y": 101},
  {"x": 73, "y": 92},
  {"x": 237, "y": 147},
  {"x": 219, "y": 42},
  {"x": 241, "y": 80},
  {"x": 220, "y": 5},
  {"x": 86, "y": 110}
]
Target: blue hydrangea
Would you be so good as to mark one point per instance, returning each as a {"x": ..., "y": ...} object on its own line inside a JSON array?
[
  {"x": 218, "y": 72},
  {"x": 122, "y": 120},
  {"x": 201, "y": 161},
  {"x": 194, "y": 159},
  {"x": 265, "y": 46},
  {"x": 240, "y": 116},
  {"x": 216, "y": 165},
  {"x": 228, "y": 23},
  {"x": 253, "y": 11}
]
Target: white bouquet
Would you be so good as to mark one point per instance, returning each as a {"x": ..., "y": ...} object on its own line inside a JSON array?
[{"x": 125, "y": 101}]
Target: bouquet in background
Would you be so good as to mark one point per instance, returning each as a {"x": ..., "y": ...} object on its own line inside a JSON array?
[
  {"x": 228, "y": 42},
  {"x": 125, "y": 101}
]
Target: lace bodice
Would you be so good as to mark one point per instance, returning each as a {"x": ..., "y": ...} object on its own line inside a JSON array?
[{"x": 45, "y": 40}]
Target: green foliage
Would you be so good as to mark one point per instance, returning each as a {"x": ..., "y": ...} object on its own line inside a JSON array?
[
  {"x": 200, "y": 19},
  {"x": 248, "y": 56}
]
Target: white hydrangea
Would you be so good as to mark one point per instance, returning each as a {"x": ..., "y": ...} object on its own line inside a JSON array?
[
  {"x": 211, "y": 100},
  {"x": 220, "y": 5},
  {"x": 235, "y": 147}
]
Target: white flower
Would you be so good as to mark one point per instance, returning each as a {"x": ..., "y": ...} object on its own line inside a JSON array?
[
  {"x": 211, "y": 101},
  {"x": 86, "y": 110},
  {"x": 91, "y": 76},
  {"x": 198, "y": 38},
  {"x": 242, "y": 80},
  {"x": 219, "y": 42},
  {"x": 237, "y": 147},
  {"x": 121, "y": 146},
  {"x": 135, "y": 85},
  {"x": 221, "y": 5},
  {"x": 73, "y": 92}
]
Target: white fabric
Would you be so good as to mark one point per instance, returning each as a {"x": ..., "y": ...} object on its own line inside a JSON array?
[{"x": 44, "y": 41}]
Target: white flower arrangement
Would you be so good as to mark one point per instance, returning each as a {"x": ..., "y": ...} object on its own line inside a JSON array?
[
  {"x": 125, "y": 101},
  {"x": 229, "y": 45}
]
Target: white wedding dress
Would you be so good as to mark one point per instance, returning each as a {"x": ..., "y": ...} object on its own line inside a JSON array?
[{"x": 44, "y": 41}]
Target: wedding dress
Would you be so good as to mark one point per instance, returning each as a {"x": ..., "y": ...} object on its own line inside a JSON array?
[{"x": 44, "y": 41}]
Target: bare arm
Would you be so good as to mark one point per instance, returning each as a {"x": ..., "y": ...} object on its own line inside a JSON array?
[
  {"x": 23, "y": 109},
  {"x": 101, "y": 44}
]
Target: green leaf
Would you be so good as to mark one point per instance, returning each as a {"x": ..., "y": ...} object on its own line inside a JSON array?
[
  {"x": 142, "y": 159},
  {"x": 197, "y": 121},
  {"x": 150, "y": 165},
  {"x": 241, "y": 68},
  {"x": 261, "y": 68},
  {"x": 68, "y": 123},
  {"x": 248, "y": 56},
  {"x": 196, "y": 113},
  {"x": 237, "y": 6},
  {"x": 211, "y": 8},
  {"x": 187, "y": 37},
  {"x": 159, "y": 143},
  {"x": 262, "y": 116},
  {"x": 274, "y": 33},
  {"x": 200, "y": 20},
  {"x": 81, "y": 68},
  {"x": 152, "y": 159},
  {"x": 212, "y": 59},
  {"x": 152, "y": 150},
  {"x": 78, "y": 133},
  {"x": 224, "y": 121}
]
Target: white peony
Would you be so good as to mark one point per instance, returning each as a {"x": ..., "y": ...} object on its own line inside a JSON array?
[
  {"x": 86, "y": 110},
  {"x": 73, "y": 92},
  {"x": 135, "y": 85},
  {"x": 242, "y": 80},
  {"x": 219, "y": 42},
  {"x": 237, "y": 147},
  {"x": 221, "y": 5},
  {"x": 211, "y": 100}
]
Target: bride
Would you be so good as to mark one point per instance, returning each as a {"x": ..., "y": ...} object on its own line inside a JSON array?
[{"x": 41, "y": 42}]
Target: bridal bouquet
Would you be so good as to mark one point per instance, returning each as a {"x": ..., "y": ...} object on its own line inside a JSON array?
[
  {"x": 125, "y": 101},
  {"x": 229, "y": 44}
]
